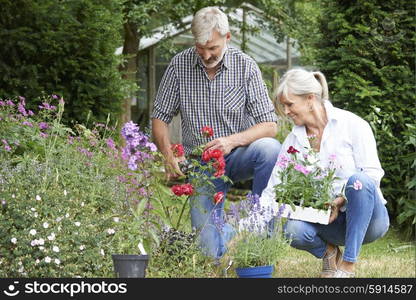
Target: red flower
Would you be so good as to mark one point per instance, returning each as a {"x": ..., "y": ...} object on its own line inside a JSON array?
[
  {"x": 206, "y": 156},
  {"x": 177, "y": 190},
  {"x": 177, "y": 150},
  {"x": 187, "y": 189},
  {"x": 218, "y": 197},
  {"x": 292, "y": 150},
  {"x": 183, "y": 189},
  {"x": 216, "y": 153},
  {"x": 219, "y": 164},
  {"x": 207, "y": 131},
  {"x": 219, "y": 173}
]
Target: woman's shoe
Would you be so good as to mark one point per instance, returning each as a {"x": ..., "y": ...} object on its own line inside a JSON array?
[
  {"x": 343, "y": 274},
  {"x": 329, "y": 263}
]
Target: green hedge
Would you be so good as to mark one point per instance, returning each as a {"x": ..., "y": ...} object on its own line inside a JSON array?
[
  {"x": 65, "y": 48},
  {"x": 367, "y": 53}
]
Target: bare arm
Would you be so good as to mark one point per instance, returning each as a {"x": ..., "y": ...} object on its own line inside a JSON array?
[
  {"x": 160, "y": 134},
  {"x": 244, "y": 138}
]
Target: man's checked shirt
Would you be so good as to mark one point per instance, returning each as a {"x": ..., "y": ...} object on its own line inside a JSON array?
[{"x": 232, "y": 102}]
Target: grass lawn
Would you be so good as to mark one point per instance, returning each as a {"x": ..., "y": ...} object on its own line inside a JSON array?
[{"x": 389, "y": 256}]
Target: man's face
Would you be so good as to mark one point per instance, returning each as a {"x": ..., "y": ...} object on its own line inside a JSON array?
[{"x": 213, "y": 51}]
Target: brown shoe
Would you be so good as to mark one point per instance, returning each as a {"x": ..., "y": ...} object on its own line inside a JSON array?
[{"x": 329, "y": 263}]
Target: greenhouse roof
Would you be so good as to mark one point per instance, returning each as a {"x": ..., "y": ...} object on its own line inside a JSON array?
[{"x": 262, "y": 46}]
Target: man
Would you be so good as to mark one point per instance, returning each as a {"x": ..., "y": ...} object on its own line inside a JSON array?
[{"x": 221, "y": 87}]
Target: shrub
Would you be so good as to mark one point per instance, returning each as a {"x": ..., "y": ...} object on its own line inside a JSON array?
[
  {"x": 368, "y": 56},
  {"x": 66, "y": 48},
  {"x": 65, "y": 209}
]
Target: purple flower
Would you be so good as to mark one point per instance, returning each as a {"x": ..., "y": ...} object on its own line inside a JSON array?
[
  {"x": 54, "y": 96},
  {"x": 132, "y": 163},
  {"x": 27, "y": 123},
  {"x": 110, "y": 144},
  {"x": 21, "y": 109},
  {"x": 43, "y": 135},
  {"x": 43, "y": 125},
  {"x": 151, "y": 146},
  {"x": 2, "y": 103},
  {"x": 10, "y": 103},
  {"x": 30, "y": 113},
  {"x": 47, "y": 106}
]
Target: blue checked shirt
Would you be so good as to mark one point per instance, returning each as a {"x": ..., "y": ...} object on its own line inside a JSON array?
[{"x": 232, "y": 102}]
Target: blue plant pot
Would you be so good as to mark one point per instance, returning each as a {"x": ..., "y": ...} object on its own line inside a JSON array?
[{"x": 255, "y": 272}]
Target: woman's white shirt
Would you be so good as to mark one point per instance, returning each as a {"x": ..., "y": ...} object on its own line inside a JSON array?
[{"x": 347, "y": 136}]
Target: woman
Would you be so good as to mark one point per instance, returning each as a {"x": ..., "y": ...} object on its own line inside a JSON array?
[{"x": 359, "y": 216}]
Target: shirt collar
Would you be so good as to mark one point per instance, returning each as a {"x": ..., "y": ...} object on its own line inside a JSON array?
[{"x": 300, "y": 131}]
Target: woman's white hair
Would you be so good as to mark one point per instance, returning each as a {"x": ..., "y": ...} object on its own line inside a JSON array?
[
  {"x": 300, "y": 82},
  {"x": 205, "y": 21}
]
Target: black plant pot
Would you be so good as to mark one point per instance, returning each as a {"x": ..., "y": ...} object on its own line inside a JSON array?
[{"x": 130, "y": 266}]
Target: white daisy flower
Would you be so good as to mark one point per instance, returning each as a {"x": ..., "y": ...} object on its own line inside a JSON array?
[
  {"x": 55, "y": 249},
  {"x": 45, "y": 225},
  {"x": 32, "y": 231},
  {"x": 57, "y": 261},
  {"x": 13, "y": 240},
  {"x": 116, "y": 219},
  {"x": 110, "y": 231},
  {"x": 77, "y": 224},
  {"x": 38, "y": 198},
  {"x": 51, "y": 237},
  {"x": 48, "y": 259}
]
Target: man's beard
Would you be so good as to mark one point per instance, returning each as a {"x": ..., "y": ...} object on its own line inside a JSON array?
[{"x": 214, "y": 61}]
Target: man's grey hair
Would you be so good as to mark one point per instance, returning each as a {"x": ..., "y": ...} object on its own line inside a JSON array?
[{"x": 205, "y": 21}]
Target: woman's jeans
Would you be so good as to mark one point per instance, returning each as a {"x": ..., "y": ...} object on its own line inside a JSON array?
[
  {"x": 364, "y": 221},
  {"x": 256, "y": 162}
]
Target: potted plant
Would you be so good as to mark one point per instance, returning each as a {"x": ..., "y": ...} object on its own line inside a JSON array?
[
  {"x": 257, "y": 246},
  {"x": 137, "y": 225},
  {"x": 305, "y": 188}
]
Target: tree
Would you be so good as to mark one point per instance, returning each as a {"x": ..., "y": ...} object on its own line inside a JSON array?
[{"x": 65, "y": 48}]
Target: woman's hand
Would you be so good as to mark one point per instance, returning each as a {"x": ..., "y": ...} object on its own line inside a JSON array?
[{"x": 335, "y": 206}]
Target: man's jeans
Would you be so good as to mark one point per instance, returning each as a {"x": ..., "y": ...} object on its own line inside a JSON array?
[
  {"x": 256, "y": 162},
  {"x": 365, "y": 220}
]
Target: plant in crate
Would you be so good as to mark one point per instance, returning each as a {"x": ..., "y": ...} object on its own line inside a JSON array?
[{"x": 305, "y": 186}]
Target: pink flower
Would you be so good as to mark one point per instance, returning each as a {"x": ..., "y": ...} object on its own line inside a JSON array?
[
  {"x": 358, "y": 185},
  {"x": 302, "y": 169}
]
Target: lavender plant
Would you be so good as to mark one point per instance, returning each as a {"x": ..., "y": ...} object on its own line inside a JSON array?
[{"x": 259, "y": 240}]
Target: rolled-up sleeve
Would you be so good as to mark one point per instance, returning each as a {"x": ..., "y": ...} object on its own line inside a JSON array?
[
  {"x": 259, "y": 105},
  {"x": 365, "y": 152},
  {"x": 166, "y": 104}
]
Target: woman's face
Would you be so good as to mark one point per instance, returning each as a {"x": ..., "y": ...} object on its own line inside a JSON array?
[{"x": 297, "y": 107}]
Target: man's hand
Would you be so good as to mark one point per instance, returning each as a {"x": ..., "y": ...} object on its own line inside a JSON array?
[
  {"x": 172, "y": 167},
  {"x": 223, "y": 143},
  {"x": 335, "y": 206}
]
